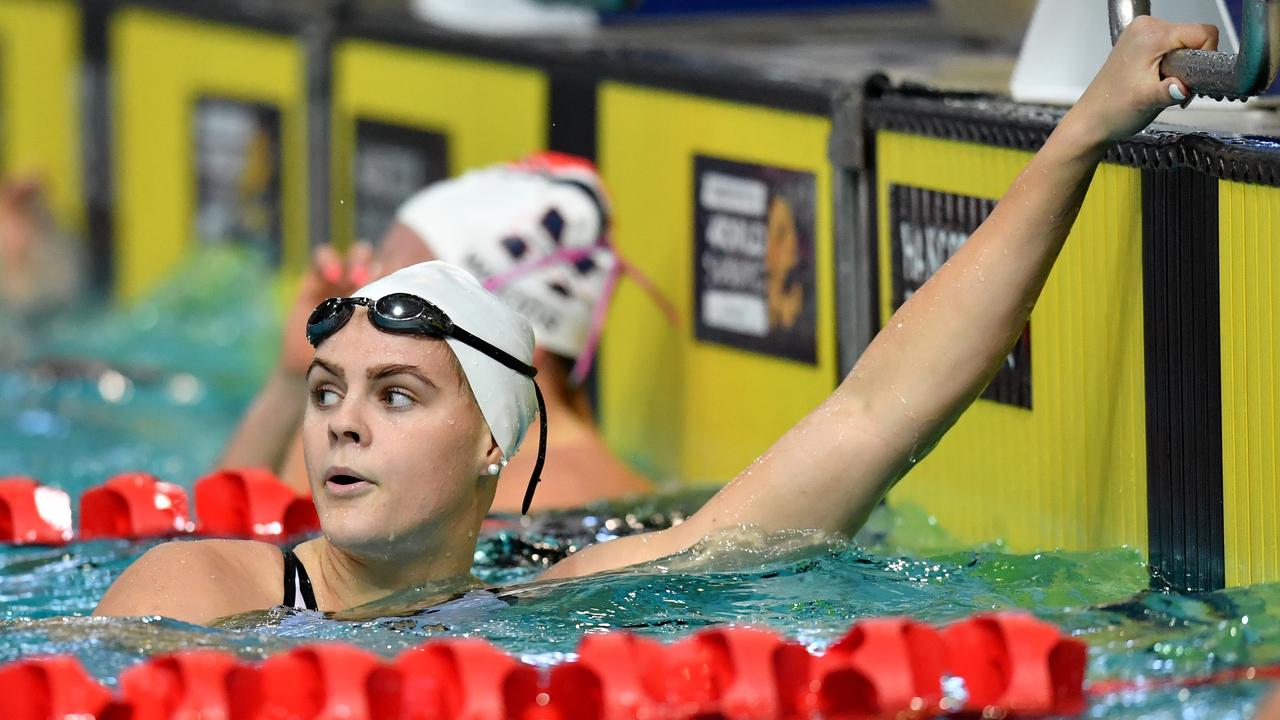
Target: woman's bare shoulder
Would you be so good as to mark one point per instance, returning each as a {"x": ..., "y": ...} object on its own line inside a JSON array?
[{"x": 198, "y": 581}]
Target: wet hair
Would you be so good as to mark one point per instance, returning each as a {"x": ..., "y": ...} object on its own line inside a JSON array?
[{"x": 464, "y": 385}]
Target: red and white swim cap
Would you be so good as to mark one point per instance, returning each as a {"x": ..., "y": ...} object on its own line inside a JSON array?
[{"x": 534, "y": 232}]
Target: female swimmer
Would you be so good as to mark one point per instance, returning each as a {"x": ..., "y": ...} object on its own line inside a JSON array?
[
  {"x": 404, "y": 436},
  {"x": 536, "y": 232}
]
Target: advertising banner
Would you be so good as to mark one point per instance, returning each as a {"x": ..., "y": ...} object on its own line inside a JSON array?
[
  {"x": 927, "y": 227},
  {"x": 237, "y": 151},
  {"x": 754, "y": 276},
  {"x": 392, "y": 162}
]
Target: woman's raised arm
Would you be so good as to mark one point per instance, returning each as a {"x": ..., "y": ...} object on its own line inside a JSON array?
[{"x": 943, "y": 345}]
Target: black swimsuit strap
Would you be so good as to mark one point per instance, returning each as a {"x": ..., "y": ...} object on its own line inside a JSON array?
[{"x": 295, "y": 577}]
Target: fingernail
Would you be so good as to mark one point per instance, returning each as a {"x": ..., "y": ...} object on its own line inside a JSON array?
[
  {"x": 332, "y": 272},
  {"x": 360, "y": 275},
  {"x": 1176, "y": 93}
]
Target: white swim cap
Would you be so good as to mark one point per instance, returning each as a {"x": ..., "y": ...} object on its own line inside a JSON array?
[
  {"x": 506, "y": 398},
  {"x": 549, "y": 207}
]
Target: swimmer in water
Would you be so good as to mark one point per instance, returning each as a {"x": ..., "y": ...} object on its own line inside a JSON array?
[
  {"x": 39, "y": 268},
  {"x": 405, "y": 435},
  {"x": 536, "y": 233}
]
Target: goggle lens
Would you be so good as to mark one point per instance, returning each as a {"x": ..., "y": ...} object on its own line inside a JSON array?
[
  {"x": 400, "y": 306},
  {"x": 401, "y": 312},
  {"x": 327, "y": 318}
]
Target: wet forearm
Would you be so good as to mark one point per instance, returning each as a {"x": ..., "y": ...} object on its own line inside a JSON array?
[{"x": 942, "y": 346}]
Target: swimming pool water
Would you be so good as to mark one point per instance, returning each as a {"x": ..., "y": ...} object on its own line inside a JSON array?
[{"x": 159, "y": 385}]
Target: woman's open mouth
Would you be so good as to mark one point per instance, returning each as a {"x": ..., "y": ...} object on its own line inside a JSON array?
[{"x": 343, "y": 482}]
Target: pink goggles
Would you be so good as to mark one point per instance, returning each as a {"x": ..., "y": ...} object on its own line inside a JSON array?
[{"x": 620, "y": 267}]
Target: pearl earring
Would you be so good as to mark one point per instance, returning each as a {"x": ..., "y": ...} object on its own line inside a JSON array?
[{"x": 493, "y": 470}]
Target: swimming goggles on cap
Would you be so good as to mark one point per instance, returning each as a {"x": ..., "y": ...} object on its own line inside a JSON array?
[{"x": 406, "y": 314}]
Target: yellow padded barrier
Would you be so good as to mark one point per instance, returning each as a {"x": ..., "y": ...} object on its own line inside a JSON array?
[
  {"x": 40, "y": 100},
  {"x": 680, "y": 407},
  {"x": 162, "y": 65},
  {"x": 1249, "y": 222},
  {"x": 1071, "y": 473},
  {"x": 487, "y": 111}
]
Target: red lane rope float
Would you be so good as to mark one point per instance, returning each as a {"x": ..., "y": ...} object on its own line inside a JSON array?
[
  {"x": 610, "y": 678},
  {"x": 56, "y": 687},
  {"x": 31, "y": 513},
  {"x": 134, "y": 505},
  {"x": 322, "y": 681},
  {"x": 1018, "y": 663},
  {"x": 192, "y": 684},
  {"x": 739, "y": 672},
  {"x": 252, "y": 503},
  {"x": 726, "y": 672},
  {"x": 1014, "y": 665},
  {"x": 882, "y": 666},
  {"x": 243, "y": 503},
  {"x": 462, "y": 679}
]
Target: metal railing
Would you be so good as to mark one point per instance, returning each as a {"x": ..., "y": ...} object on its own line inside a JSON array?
[{"x": 1218, "y": 74}]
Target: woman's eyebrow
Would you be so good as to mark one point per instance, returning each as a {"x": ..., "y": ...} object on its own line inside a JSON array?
[
  {"x": 335, "y": 371},
  {"x": 380, "y": 371}
]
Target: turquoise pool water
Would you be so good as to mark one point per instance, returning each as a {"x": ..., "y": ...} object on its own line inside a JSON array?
[{"x": 157, "y": 387}]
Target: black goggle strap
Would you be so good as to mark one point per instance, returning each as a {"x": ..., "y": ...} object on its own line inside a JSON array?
[
  {"x": 536, "y": 477},
  {"x": 529, "y": 371},
  {"x": 492, "y": 351}
]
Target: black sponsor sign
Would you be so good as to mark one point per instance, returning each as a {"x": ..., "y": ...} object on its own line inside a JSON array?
[
  {"x": 238, "y": 165},
  {"x": 392, "y": 162},
  {"x": 926, "y": 228},
  {"x": 754, "y": 259}
]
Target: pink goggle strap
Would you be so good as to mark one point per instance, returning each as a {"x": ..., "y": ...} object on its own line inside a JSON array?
[
  {"x": 598, "y": 314},
  {"x": 567, "y": 255}
]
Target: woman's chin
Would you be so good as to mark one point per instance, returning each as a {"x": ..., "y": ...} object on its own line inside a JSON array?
[
  {"x": 372, "y": 540},
  {"x": 359, "y": 538},
  {"x": 363, "y": 548},
  {"x": 374, "y": 532}
]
